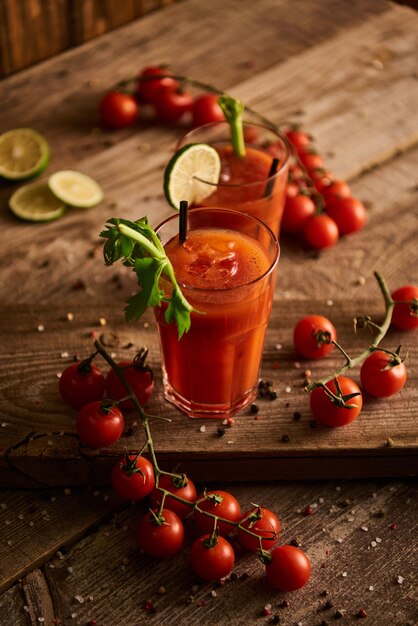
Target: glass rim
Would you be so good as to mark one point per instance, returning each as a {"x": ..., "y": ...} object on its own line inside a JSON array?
[
  {"x": 279, "y": 171},
  {"x": 251, "y": 218}
]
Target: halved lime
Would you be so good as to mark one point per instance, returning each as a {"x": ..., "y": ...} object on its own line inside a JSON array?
[
  {"x": 23, "y": 153},
  {"x": 76, "y": 189},
  {"x": 191, "y": 174},
  {"x": 36, "y": 203}
]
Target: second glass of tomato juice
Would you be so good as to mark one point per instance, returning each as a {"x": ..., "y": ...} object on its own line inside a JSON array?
[
  {"x": 228, "y": 276},
  {"x": 246, "y": 183}
]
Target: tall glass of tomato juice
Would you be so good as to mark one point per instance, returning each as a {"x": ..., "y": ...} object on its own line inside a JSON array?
[
  {"x": 245, "y": 184},
  {"x": 228, "y": 275}
]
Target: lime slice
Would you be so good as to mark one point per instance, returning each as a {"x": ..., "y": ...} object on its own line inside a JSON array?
[
  {"x": 75, "y": 189},
  {"x": 188, "y": 173},
  {"x": 23, "y": 153},
  {"x": 36, "y": 203}
]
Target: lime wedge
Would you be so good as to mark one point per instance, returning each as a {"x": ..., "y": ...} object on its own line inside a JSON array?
[
  {"x": 23, "y": 153},
  {"x": 36, "y": 203},
  {"x": 75, "y": 189},
  {"x": 188, "y": 173}
]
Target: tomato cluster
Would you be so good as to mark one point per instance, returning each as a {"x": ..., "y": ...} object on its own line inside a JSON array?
[
  {"x": 216, "y": 514},
  {"x": 166, "y": 96},
  {"x": 100, "y": 421},
  {"x": 383, "y": 373},
  {"x": 318, "y": 207}
]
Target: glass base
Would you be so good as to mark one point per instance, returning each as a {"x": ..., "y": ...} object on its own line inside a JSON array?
[{"x": 209, "y": 411}]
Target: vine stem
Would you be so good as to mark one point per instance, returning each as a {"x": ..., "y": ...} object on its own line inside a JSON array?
[
  {"x": 149, "y": 444},
  {"x": 382, "y": 330}
]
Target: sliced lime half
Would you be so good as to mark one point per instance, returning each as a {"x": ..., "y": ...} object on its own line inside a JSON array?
[
  {"x": 76, "y": 189},
  {"x": 36, "y": 203},
  {"x": 191, "y": 174},
  {"x": 23, "y": 153}
]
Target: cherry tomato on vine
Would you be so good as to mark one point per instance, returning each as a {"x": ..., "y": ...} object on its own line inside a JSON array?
[
  {"x": 171, "y": 104},
  {"x": 163, "y": 538},
  {"x": 348, "y": 213},
  {"x": 297, "y": 211},
  {"x": 292, "y": 190},
  {"x": 206, "y": 110},
  {"x": 147, "y": 90},
  {"x": 298, "y": 138},
  {"x": 328, "y": 413},
  {"x": 321, "y": 231},
  {"x": 132, "y": 477},
  {"x": 187, "y": 491},
  {"x": 139, "y": 376},
  {"x": 289, "y": 568},
  {"x": 99, "y": 424},
  {"x": 336, "y": 189},
  {"x": 80, "y": 383},
  {"x": 381, "y": 376},
  {"x": 403, "y": 316},
  {"x": 312, "y": 336},
  {"x": 218, "y": 503},
  {"x": 311, "y": 160},
  {"x": 264, "y": 523},
  {"x": 322, "y": 179},
  {"x": 118, "y": 110},
  {"x": 212, "y": 563},
  {"x": 295, "y": 172}
]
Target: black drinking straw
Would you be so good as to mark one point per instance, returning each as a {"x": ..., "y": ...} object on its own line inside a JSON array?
[
  {"x": 270, "y": 184},
  {"x": 183, "y": 221}
]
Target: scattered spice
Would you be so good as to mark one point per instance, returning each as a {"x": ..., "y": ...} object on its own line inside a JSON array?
[
  {"x": 285, "y": 439},
  {"x": 220, "y": 431},
  {"x": 297, "y": 416},
  {"x": 393, "y": 526},
  {"x": 284, "y": 605},
  {"x": 389, "y": 442},
  {"x": 308, "y": 510},
  {"x": 361, "y": 614},
  {"x": 295, "y": 543},
  {"x": 149, "y": 606},
  {"x": 266, "y": 610},
  {"x": 254, "y": 408},
  {"x": 339, "y": 613}
]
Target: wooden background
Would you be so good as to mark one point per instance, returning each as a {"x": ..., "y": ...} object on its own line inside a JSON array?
[
  {"x": 348, "y": 71},
  {"x": 33, "y": 30}
]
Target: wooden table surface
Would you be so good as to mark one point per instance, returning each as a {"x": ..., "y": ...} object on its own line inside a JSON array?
[{"x": 348, "y": 72}]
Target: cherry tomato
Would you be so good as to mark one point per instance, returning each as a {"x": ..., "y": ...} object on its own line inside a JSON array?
[
  {"x": 251, "y": 134},
  {"x": 321, "y": 231},
  {"x": 298, "y": 138},
  {"x": 379, "y": 381},
  {"x": 187, "y": 492},
  {"x": 289, "y": 568},
  {"x": 81, "y": 383},
  {"x": 118, "y": 110},
  {"x": 311, "y": 160},
  {"x": 312, "y": 336},
  {"x": 148, "y": 89},
  {"x": 207, "y": 110},
  {"x": 212, "y": 563},
  {"x": 295, "y": 172},
  {"x": 218, "y": 503},
  {"x": 264, "y": 523},
  {"x": 133, "y": 477},
  {"x": 402, "y": 316},
  {"x": 138, "y": 375},
  {"x": 297, "y": 211},
  {"x": 170, "y": 105},
  {"x": 292, "y": 190},
  {"x": 326, "y": 412},
  {"x": 348, "y": 213},
  {"x": 322, "y": 179},
  {"x": 99, "y": 424},
  {"x": 336, "y": 189},
  {"x": 160, "y": 539}
]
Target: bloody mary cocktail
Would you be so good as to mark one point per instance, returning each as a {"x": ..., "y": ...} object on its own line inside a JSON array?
[
  {"x": 229, "y": 276},
  {"x": 245, "y": 184}
]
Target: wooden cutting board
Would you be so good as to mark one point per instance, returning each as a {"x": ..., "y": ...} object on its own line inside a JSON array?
[{"x": 39, "y": 446}]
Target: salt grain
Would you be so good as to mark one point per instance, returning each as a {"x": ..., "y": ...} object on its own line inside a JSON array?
[
  {"x": 3, "y": 424},
  {"x": 378, "y": 540},
  {"x": 41, "y": 328},
  {"x": 370, "y": 588},
  {"x": 278, "y": 346},
  {"x": 102, "y": 321},
  {"x": 70, "y": 317},
  {"x": 79, "y": 599},
  {"x": 202, "y": 429},
  {"x": 344, "y": 574},
  {"x": 338, "y": 488},
  {"x": 288, "y": 389},
  {"x": 373, "y": 544},
  {"x": 26, "y": 608},
  {"x": 70, "y": 570},
  {"x": 41, "y": 619},
  {"x": 329, "y": 302},
  {"x": 400, "y": 580},
  {"x": 365, "y": 528},
  {"x": 31, "y": 523},
  {"x": 213, "y": 593},
  {"x": 3, "y": 506},
  {"x": 10, "y": 542},
  {"x": 64, "y": 355},
  {"x": 7, "y": 522},
  {"x": 321, "y": 500}
]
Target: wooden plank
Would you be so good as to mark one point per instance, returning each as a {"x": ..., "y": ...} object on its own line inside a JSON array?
[
  {"x": 32, "y": 31},
  {"x": 38, "y": 441},
  {"x": 37, "y": 524},
  {"x": 105, "y": 578}
]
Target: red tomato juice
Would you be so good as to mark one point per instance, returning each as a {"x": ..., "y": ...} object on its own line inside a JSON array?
[
  {"x": 244, "y": 185},
  {"x": 213, "y": 370}
]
